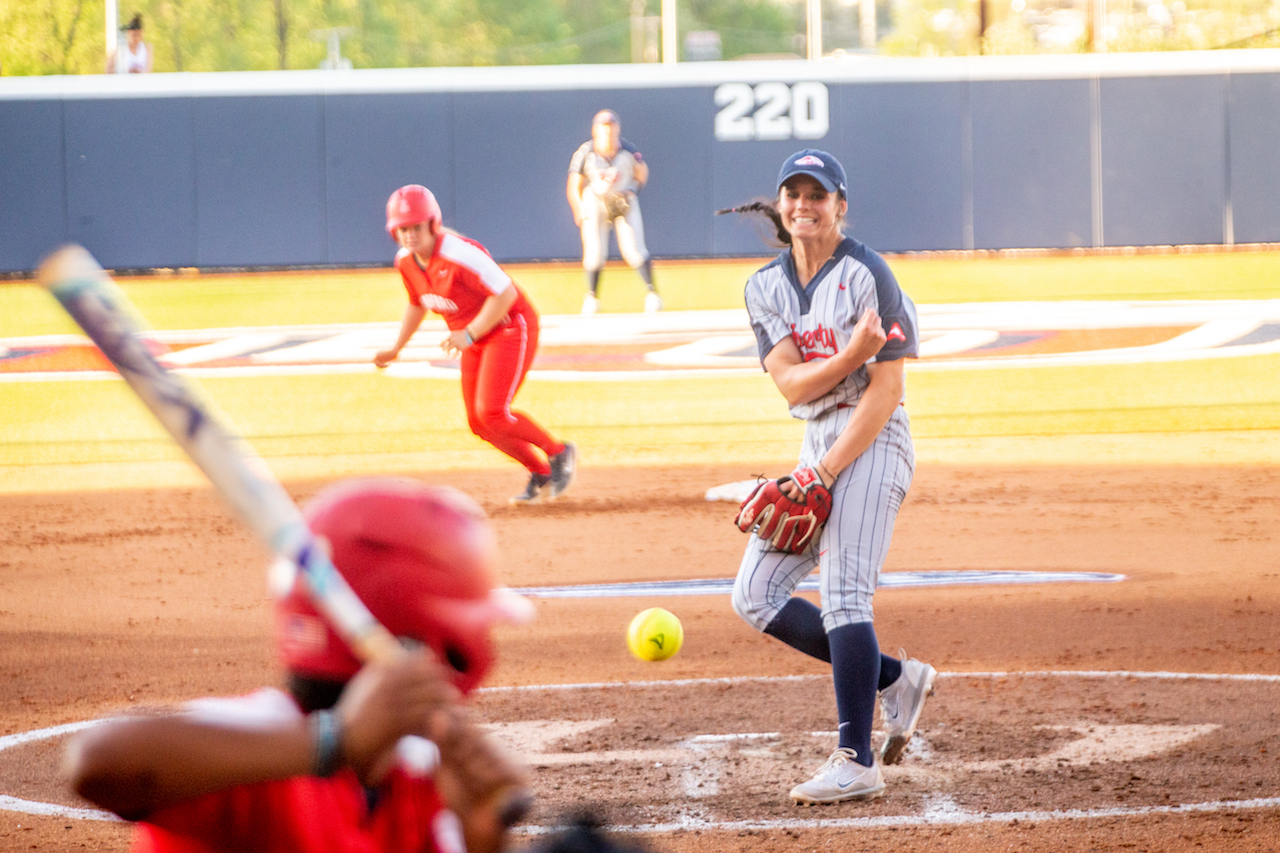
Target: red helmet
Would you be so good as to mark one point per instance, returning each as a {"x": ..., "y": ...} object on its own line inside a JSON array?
[
  {"x": 410, "y": 205},
  {"x": 420, "y": 557}
]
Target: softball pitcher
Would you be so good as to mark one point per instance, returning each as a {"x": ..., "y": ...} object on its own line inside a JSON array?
[
  {"x": 833, "y": 329},
  {"x": 493, "y": 329}
]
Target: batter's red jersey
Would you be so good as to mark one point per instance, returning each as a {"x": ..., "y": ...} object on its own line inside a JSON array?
[
  {"x": 309, "y": 814},
  {"x": 457, "y": 281}
]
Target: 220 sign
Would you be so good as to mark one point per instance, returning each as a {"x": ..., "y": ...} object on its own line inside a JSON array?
[{"x": 772, "y": 111}]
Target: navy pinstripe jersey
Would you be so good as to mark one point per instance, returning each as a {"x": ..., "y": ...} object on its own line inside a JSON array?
[
  {"x": 820, "y": 316},
  {"x": 604, "y": 174}
]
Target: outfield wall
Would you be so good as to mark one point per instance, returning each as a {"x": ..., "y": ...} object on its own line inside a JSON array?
[{"x": 293, "y": 168}]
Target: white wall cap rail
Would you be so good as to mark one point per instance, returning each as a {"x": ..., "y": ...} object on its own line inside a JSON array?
[{"x": 854, "y": 68}]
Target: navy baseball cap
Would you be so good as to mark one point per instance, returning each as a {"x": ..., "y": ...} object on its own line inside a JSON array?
[{"x": 818, "y": 165}]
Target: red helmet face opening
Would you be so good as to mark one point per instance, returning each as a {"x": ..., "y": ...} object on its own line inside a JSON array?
[
  {"x": 421, "y": 559},
  {"x": 410, "y": 205}
]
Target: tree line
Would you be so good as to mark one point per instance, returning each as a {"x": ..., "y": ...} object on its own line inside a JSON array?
[{"x": 68, "y": 36}]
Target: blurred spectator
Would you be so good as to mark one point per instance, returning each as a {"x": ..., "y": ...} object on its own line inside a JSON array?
[{"x": 133, "y": 56}]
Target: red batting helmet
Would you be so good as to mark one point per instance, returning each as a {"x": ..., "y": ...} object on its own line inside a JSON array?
[
  {"x": 420, "y": 557},
  {"x": 410, "y": 205}
]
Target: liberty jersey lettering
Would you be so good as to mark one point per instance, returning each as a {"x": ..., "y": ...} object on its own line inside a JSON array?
[{"x": 819, "y": 317}]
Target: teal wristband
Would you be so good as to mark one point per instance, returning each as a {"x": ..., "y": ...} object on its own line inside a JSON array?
[
  {"x": 466, "y": 333},
  {"x": 326, "y": 735}
]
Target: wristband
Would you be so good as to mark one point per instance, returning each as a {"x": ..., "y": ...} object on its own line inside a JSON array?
[
  {"x": 826, "y": 470},
  {"x": 466, "y": 333},
  {"x": 326, "y": 735}
]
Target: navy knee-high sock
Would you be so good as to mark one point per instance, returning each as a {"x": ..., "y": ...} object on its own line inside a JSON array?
[
  {"x": 890, "y": 669},
  {"x": 799, "y": 625},
  {"x": 855, "y": 664},
  {"x": 646, "y": 273}
]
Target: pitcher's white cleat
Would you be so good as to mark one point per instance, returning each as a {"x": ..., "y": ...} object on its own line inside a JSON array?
[
  {"x": 901, "y": 704},
  {"x": 840, "y": 778}
]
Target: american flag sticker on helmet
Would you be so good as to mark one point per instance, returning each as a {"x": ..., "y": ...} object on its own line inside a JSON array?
[{"x": 304, "y": 634}]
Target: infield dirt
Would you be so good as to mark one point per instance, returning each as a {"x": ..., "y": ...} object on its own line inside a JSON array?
[{"x": 119, "y": 600}]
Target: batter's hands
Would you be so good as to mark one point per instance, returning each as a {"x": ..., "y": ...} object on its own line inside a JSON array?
[
  {"x": 386, "y": 701},
  {"x": 484, "y": 783}
]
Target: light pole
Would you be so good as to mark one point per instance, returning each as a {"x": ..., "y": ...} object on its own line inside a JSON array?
[
  {"x": 113, "y": 27},
  {"x": 867, "y": 23},
  {"x": 813, "y": 29},
  {"x": 1098, "y": 10},
  {"x": 644, "y": 33},
  {"x": 669, "y": 38}
]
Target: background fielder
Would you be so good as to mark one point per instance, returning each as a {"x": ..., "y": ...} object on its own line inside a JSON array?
[
  {"x": 493, "y": 330},
  {"x": 605, "y": 174},
  {"x": 833, "y": 328}
]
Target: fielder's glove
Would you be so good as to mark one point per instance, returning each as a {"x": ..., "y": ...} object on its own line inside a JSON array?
[
  {"x": 616, "y": 205},
  {"x": 787, "y": 524}
]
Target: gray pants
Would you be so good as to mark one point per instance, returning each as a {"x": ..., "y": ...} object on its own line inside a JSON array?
[
  {"x": 595, "y": 234},
  {"x": 854, "y": 544}
]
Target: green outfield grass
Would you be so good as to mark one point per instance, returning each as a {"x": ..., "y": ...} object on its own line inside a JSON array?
[
  {"x": 1214, "y": 275},
  {"x": 306, "y": 425},
  {"x": 205, "y": 301},
  {"x": 95, "y": 434}
]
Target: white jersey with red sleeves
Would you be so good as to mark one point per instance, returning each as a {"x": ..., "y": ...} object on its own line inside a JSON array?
[
  {"x": 459, "y": 278},
  {"x": 820, "y": 316},
  {"x": 308, "y": 814}
]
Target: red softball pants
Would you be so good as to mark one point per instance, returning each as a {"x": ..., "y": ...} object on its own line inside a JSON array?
[{"x": 493, "y": 369}]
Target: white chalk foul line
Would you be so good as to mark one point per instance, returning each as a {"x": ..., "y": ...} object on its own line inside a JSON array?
[
  {"x": 888, "y": 580},
  {"x": 13, "y": 804},
  {"x": 951, "y": 814},
  {"x": 754, "y": 679}
]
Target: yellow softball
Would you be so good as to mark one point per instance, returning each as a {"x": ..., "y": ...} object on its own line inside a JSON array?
[{"x": 655, "y": 634}]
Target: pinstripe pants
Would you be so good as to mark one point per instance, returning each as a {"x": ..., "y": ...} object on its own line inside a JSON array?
[{"x": 854, "y": 544}]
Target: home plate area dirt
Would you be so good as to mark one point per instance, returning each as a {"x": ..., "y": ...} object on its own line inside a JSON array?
[
  {"x": 1139, "y": 714},
  {"x": 992, "y": 747}
]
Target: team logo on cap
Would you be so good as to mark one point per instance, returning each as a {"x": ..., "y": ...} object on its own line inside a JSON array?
[{"x": 810, "y": 160}]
